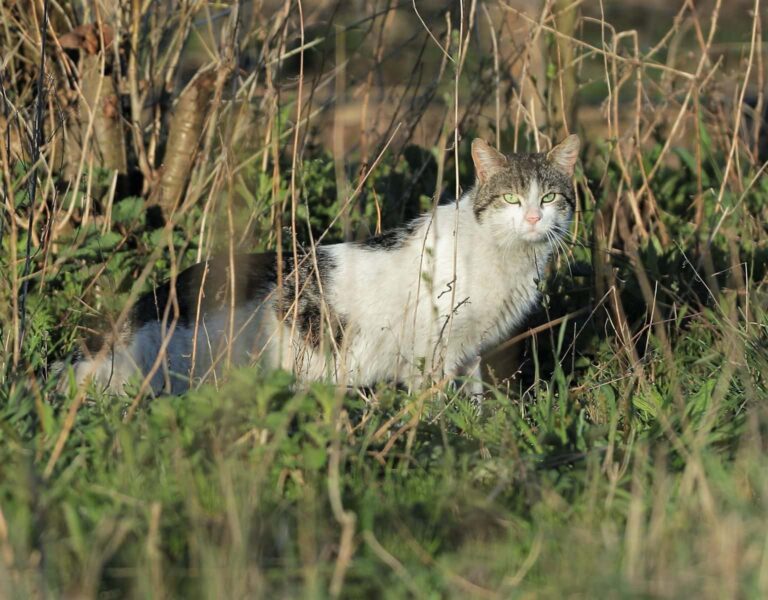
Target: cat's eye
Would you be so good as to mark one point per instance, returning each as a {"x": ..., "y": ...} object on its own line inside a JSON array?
[
  {"x": 547, "y": 198},
  {"x": 511, "y": 198}
]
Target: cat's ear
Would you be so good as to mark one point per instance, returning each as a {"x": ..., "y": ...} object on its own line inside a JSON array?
[
  {"x": 564, "y": 156},
  {"x": 487, "y": 160}
]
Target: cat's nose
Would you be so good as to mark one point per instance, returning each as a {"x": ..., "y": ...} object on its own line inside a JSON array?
[{"x": 533, "y": 218}]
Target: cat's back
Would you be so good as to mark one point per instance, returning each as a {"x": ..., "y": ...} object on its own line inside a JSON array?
[{"x": 208, "y": 287}]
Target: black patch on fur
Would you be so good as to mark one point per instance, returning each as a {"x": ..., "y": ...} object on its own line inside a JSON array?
[
  {"x": 389, "y": 240},
  {"x": 392, "y": 239},
  {"x": 309, "y": 310},
  {"x": 93, "y": 341}
]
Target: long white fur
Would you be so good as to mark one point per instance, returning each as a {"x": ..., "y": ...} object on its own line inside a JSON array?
[{"x": 426, "y": 308}]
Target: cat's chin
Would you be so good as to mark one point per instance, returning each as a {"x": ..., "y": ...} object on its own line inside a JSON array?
[
  {"x": 535, "y": 237},
  {"x": 529, "y": 238}
]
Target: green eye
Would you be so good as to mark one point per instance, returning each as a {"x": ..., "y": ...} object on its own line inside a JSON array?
[
  {"x": 512, "y": 198},
  {"x": 547, "y": 198}
]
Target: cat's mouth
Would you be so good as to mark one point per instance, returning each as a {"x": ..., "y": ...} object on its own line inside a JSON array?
[{"x": 535, "y": 236}]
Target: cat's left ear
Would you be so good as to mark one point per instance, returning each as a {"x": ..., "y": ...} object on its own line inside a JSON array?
[{"x": 564, "y": 156}]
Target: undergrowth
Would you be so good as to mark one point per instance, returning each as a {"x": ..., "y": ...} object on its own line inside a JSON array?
[{"x": 620, "y": 448}]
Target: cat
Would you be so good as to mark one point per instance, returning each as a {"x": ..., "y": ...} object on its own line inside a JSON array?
[{"x": 414, "y": 304}]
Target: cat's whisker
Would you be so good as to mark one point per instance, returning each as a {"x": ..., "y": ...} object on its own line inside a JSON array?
[
  {"x": 567, "y": 239},
  {"x": 564, "y": 237},
  {"x": 561, "y": 249},
  {"x": 558, "y": 238},
  {"x": 566, "y": 253},
  {"x": 552, "y": 242}
]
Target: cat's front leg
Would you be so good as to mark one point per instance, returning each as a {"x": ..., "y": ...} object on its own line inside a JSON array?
[{"x": 470, "y": 373}]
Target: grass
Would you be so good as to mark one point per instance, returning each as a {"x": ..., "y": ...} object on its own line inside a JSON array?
[{"x": 621, "y": 448}]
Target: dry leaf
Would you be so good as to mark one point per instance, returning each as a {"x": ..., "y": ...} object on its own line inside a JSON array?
[{"x": 87, "y": 37}]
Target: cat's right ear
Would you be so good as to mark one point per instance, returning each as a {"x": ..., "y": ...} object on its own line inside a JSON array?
[
  {"x": 487, "y": 160},
  {"x": 564, "y": 156}
]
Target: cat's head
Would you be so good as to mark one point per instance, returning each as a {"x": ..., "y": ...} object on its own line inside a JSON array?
[{"x": 526, "y": 197}]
